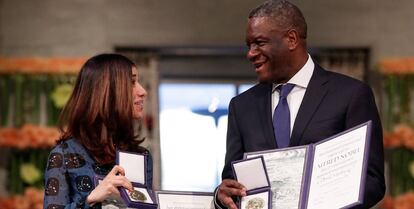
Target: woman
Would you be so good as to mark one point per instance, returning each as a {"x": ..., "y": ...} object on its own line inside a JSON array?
[{"x": 97, "y": 120}]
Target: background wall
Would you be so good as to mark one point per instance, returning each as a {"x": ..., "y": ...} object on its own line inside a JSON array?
[
  {"x": 80, "y": 27},
  {"x": 384, "y": 26},
  {"x": 83, "y": 28}
]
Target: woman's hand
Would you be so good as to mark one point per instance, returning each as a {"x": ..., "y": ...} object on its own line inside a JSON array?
[{"x": 109, "y": 186}]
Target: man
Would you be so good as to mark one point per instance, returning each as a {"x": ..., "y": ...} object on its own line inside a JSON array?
[{"x": 320, "y": 104}]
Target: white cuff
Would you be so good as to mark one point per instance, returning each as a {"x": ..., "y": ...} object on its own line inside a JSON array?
[{"x": 217, "y": 202}]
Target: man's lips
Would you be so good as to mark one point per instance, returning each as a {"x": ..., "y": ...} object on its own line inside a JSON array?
[{"x": 259, "y": 65}]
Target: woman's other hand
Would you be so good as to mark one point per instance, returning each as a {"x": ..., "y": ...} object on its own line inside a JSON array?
[{"x": 109, "y": 186}]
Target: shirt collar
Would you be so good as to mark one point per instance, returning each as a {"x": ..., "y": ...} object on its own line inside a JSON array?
[{"x": 302, "y": 77}]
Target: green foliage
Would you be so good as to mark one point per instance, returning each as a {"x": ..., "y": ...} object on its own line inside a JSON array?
[
  {"x": 36, "y": 99},
  {"x": 398, "y": 108}
]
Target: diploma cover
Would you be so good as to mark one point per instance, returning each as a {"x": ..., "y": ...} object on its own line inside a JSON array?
[
  {"x": 327, "y": 174},
  {"x": 184, "y": 200}
]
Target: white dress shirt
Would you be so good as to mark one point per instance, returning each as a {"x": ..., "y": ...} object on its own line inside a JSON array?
[{"x": 294, "y": 99}]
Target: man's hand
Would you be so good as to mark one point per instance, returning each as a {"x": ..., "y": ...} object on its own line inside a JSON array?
[{"x": 227, "y": 189}]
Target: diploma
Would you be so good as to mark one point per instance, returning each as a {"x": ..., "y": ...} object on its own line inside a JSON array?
[
  {"x": 184, "y": 200},
  {"x": 339, "y": 170},
  {"x": 285, "y": 168}
]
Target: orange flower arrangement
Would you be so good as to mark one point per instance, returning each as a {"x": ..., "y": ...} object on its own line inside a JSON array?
[
  {"x": 405, "y": 201},
  {"x": 31, "y": 199},
  {"x": 28, "y": 136},
  {"x": 402, "y": 135},
  {"x": 41, "y": 65},
  {"x": 398, "y": 66}
]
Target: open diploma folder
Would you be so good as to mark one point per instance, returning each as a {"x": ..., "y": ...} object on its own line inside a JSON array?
[
  {"x": 328, "y": 174},
  {"x": 184, "y": 200}
]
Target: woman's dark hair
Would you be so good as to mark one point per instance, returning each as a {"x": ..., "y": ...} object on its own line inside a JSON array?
[{"x": 99, "y": 113}]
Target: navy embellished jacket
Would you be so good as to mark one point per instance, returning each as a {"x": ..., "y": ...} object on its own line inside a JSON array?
[{"x": 70, "y": 174}]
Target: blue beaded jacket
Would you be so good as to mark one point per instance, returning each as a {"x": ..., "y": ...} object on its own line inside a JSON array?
[{"x": 70, "y": 174}]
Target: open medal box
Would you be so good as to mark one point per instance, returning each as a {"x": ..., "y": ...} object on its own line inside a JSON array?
[
  {"x": 253, "y": 175},
  {"x": 135, "y": 166}
]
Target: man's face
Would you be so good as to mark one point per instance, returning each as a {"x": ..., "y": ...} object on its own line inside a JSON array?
[{"x": 268, "y": 50}]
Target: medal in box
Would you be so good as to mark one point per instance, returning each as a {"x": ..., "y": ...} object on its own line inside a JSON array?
[
  {"x": 253, "y": 175},
  {"x": 135, "y": 166}
]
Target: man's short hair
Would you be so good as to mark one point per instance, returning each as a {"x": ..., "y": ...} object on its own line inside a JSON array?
[{"x": 285, "y": 14}]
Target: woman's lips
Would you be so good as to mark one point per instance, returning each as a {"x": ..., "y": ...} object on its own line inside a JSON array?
[{"x": 139, "y": 104}]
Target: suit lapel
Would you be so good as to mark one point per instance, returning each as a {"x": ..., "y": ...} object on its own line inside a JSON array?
[
  {"x": 315, "y": 92},
  {"x": 264, "y": 97}
]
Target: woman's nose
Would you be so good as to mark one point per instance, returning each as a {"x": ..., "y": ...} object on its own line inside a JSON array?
[{"x": 141, "y": 90}]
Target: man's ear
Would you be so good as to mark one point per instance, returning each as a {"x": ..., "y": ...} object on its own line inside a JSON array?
[{"x": 293, "y": 39}]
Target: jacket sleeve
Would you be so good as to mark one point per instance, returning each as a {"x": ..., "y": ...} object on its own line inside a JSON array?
[
  {"x": 234, "y": 143},
  {"x": 57, "y": 185}
]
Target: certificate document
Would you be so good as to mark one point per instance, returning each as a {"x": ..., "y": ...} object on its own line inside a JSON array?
[
  {"x": 285, "y": 168},
  {"x": 184, "y": 200},
  {"x": 328, "y": 174},
  {"x": 339, "y": 169}
]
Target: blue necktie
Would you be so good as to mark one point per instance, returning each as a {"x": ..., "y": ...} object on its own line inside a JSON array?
[{"x": 281, "y": 117}]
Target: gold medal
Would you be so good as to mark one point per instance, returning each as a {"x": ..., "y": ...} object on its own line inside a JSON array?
[
  {"x": 255, "y": 203},
  {"x": 137, "y": 195}
]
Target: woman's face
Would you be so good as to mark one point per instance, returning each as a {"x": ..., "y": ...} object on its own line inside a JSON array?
[{"x": 138, "y": 95}]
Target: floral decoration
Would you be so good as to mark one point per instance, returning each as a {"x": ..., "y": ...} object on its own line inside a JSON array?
[
  {"x": 404, "y": 201},
  {"x": 61, "y": 94},
  {"x": 29, "y": 173},
  {"x": 32, "y": 92},
  {"x": 399, "y": 66},
  {"x": 45, "y": 65},
  {"x": 401, "y": 136},
  {"x": 32, "y": 198},
  {"x": 28, "y": 136},
  {"x": 397, "y": 117}
]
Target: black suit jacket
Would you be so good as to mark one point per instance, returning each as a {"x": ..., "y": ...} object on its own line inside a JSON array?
[{"x": 332, "y": 103}]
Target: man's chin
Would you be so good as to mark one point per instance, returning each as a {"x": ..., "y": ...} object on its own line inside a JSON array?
[{"x": 264, "y": 80}]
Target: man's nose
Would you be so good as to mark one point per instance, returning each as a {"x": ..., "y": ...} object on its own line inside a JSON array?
[{"x": 252, "y": 52}]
